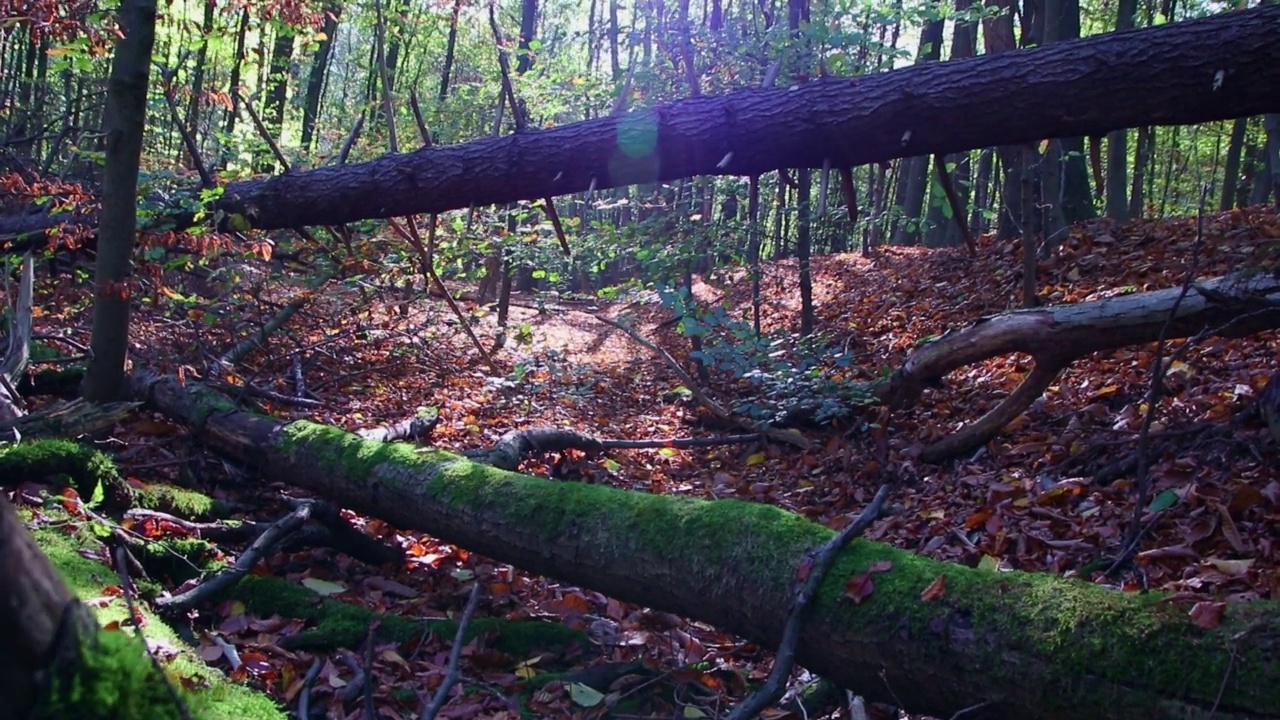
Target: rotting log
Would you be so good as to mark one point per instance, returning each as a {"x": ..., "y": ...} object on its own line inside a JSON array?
[
  {"x": 1025, "y": 645},
  {"x": 1054, "y": 336}
]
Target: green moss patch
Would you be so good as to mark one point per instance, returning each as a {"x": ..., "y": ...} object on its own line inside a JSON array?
[
  {"x": 213, "y": 697},
  {"x": 179, "y": 501},
  {"x": 339, "y": 624},
  {"x": 61, "y": 461}
]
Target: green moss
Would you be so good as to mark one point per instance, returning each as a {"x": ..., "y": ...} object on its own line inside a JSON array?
[
  {"x": 179, "y": 501},
  {"x": 89, "y": 470},
  {"x": 338, "y": 624},
  {"x": 111, "y": 679},
  {"x": 179, "y": 559},
  {"x": 1079, "y": 630},
  {"x": 215, "y": 697}
]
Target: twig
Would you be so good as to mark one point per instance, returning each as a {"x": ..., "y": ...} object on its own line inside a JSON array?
[
  {"x": 126, "y": 588},
  {"x": 455, "y": 656},
  {"x": 264, "y": 133},
  {"x": 272, "y": 538},
  {"x": 304, "y": 697},
  {"x": 412, "y": 237},
  {"x": 822, "y": 562},
  {"x": 790, "y": 437},
  {"x": 1154, "y": 394}
]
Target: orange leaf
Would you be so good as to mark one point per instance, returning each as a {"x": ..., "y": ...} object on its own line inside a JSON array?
[{"x": 936, "y": 589}]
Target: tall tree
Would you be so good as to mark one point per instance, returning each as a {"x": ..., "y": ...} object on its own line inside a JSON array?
[
  {"x": 1062, "y": 22},
  {"x": 450, "y": 51},
  {"x": 915, "y": 171},
  {"x": 319, "y": 70},
  {"x": 964, "y": 40},
  {"x": 1231, "y": 174},
  {"x": 125, "y": 119},
  {"x": 1118, "y": 141}
]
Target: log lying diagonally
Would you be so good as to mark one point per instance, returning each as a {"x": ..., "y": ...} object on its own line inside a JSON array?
[
  {"x": 1027, "y": 645},
  {"x": 1055, "y": 336},
  {"x": 1216, "y": 68}
]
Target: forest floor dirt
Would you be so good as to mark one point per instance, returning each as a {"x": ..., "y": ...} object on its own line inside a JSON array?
[{"x": 1028, "y": 500}]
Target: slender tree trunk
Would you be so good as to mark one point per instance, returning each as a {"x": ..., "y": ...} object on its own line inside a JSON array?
[
  {"x": 615, "y": 64},
  {"x": 803, "y": 252},
  {"x": 528, "y": 25},
  {"x": 753, "y": 248},
  {"x": 237, "y": 63},
  {"x": 997, "y": 31},
  {"x": 944, "y": 232},
  {"x": 1118, "y": 140},
  {"x": 277, "y": 90},
  {"x": 982, "y": 192},
  {"x": 197, "y": 71},
  {"x": 1271, "y": 123},
  {"x": 915, "y": 174},
  {"x": 1137, "y": 199},
  {"x": 126, "y": 112},
  {"x": 319, "y": 70},
  {"x": 1231, "y": 176},
  {"x": 450, "y": 49}
]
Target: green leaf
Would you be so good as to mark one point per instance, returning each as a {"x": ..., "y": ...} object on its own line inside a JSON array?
[
  {"x": 323, "y": 587},
  {"x": 585, "y": 695},
  {"x": 612, "y": 465},
  {"x": 1164, "y": 501}
]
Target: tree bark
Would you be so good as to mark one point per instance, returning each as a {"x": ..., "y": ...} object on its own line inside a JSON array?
[
  {"x": 40, "y": 620},
  {"x": 1165, "y": 75},
  {"x": 319, "y": 69},
  {"x": 1055, "y": 336},
  {"x": 1231, "y": 175},
  {"x": 1020, "y": 645},
  {"x": 125, "y": 117}
]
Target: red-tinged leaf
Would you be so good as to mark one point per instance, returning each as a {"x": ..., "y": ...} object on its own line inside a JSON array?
[
  {"x": 880, "y": 566},
  {"x": 936, "y": 589},
  {"x": 976, "y": 519},
  {"x": 1207, "y": 615},
  {"x": 859, "y": 588}
]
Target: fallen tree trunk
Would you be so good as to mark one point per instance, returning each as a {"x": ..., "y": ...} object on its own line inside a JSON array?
[
  {"x": 1055, "y": 336},
  {"x": 1215, "y": 68},
  {"x": 1221, "y": 67},
  {"x": 1022, "y": 645}
]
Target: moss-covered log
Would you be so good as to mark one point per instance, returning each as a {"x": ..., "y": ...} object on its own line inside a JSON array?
[{"x": 1027, "y": 645}]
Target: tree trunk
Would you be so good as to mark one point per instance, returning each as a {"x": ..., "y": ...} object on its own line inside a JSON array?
[
  {"x": 1021, "y": 645},
  {"x": 451, "y": 46},
  {"x": 319, "y": 69},
  {"x": 125, "y": 117},
  {"x": 1271, "y": 171},
  {"x": 804, "y": 247},
  {"x": 968, "y": 102},
  {"x": 1231, "y": 175},
  {"x": 1117, "y": 206},
  {"x": 277, "y": 90},
  {"x": 915, "y": 171},
  {"x": 33, "y": 602},
  {"x": 237, "y": 62}
]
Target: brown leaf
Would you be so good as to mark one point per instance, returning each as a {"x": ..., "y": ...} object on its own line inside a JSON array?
[
  {"x": 859, "y": 587},
  {"x": 1207, "y": 615},
  {"x": 936, "y": 589}
]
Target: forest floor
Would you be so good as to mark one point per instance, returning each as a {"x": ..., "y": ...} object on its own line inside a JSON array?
[{"x": 1028, "y": 500}]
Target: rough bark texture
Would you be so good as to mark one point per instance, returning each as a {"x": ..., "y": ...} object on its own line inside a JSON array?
[
  {"x": 1027, "y": 645},
  {"x": 1216, "y": 68},
  {"x": 124, "y": 117},
  {"x": 33, "y": 601}
]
